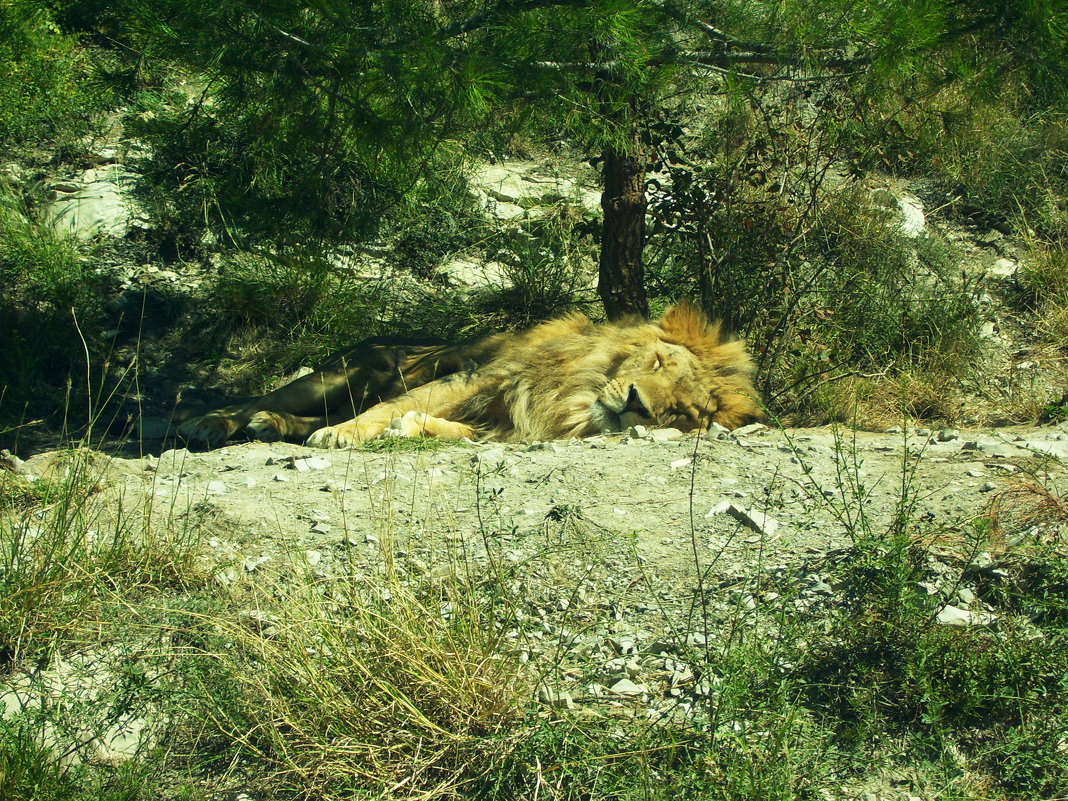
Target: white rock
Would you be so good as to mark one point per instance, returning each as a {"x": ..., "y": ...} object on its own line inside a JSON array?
[
  {"x": 954, "y": 616},
  {"x": 745, "y": 431},
  {"x": 96, "y": 202},
  {"x": 665, "y": 434},
  {"x": 628, "y": 687},
  {"x": 753, "y": 519},
  {"x": 1003, "y": 268}
]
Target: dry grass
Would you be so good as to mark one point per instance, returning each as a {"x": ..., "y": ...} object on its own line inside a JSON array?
[
  {"x": 875, "y": 402},
  {"x": 1028, "y": 506},
  {"x": 381, "y": 688},
  {"x": 68, "y": 549}
]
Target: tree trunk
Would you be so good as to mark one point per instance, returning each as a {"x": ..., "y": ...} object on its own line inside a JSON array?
[{"x": 621, "y": 282}]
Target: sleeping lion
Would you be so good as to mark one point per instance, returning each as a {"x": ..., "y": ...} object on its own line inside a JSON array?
[{"x": 565, "y": 378}]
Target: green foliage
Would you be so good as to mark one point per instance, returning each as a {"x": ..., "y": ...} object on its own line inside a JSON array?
[
  {"x": 985, "y": 119},
  {"x": 29, "y": 770},
  {"x": 544, "y": 261},
  {"x": 438, "y": 219},
  {"x": 605, "y": 758},
  {"x": 50, "y": 94},
  {"x": 883, "y": 299},
  {"x": 302, "y": 124},
  {"x": 51, "y": 311},
  {"x": 821, "y": 282},
  {"x": 1043, "y": 276}
]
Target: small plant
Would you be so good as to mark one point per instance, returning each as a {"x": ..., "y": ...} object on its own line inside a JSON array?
[
  {"x": 366, "y": 688},
  {"x": 547, "y": 261},
  {"x": 62, "y": 554},
  {"x": 1044, "y": 277}
]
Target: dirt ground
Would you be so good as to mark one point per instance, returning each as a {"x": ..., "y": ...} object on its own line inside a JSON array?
[{"x": 625, "y": 520}]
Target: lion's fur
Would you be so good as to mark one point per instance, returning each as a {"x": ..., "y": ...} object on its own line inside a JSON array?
[{"x": 565, "y": 378}]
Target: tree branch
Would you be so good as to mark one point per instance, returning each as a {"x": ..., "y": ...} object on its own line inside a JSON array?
[{"x": 502, "y": 8}]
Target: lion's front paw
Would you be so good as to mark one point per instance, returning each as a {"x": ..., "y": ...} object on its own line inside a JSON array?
[
  {"x": 411, "y": 424},
  {"x": 324, "y": 438},
  {"x": 343, "y": 435},
  {"x": 614, "y": 396},
  {"x": 211, "y": 429},
  {"x": 266, "y": 426}
]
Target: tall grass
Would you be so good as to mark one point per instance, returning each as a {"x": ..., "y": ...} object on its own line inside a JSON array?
[
  {"x": 412, "y": 683},
  {"x": 370, "y": 688},
  {"x": 67, "y": 551}
]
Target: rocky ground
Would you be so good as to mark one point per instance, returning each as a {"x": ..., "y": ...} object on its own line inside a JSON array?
[{"x": 618, "y": 552}]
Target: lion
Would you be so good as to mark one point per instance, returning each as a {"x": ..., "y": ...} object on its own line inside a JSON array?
[{"x": 562, "y": 379}]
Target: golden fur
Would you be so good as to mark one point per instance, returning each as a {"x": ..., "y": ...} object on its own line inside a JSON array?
[{"x": 561, "y": 379}]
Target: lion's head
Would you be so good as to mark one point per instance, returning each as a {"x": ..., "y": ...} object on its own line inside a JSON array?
[{"x": 679, "y": 374}]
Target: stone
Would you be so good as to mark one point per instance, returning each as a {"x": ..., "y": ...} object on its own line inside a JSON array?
[
  {"x": 309, "y": 463},
  {"x": 628, "y": 687},
  {"x": 554, "y": 697},
  {"x": 97, "y": 202},
  {"x": 753, "y": 519},
  {"x": 954, "y": 616},
  {"x": 665, "y": 435},
  {"x": 745, "y": 431}
]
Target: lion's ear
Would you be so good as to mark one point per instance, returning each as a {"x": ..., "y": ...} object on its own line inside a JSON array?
[{"x": 688, "y": 324}]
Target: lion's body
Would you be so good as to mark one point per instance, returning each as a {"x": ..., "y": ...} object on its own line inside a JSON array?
[{"x": 561, "y": 379}]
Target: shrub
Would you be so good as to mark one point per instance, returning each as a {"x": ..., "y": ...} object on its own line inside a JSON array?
[
  {"x": 826, "y": 290},
  {"x": 51, "y": 313},
  {"x": 50, "y": 94}
]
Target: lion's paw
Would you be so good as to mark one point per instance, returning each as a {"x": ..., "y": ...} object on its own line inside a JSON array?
[
  {"x": 411, "y": 424},
  {"x": 342, "y": 435},
  {"x": 212, "y": 429},
  {"x": 323, "y": 438},
  {"x": 266, "y": 426},
  {"x": 614, "y": 396}
]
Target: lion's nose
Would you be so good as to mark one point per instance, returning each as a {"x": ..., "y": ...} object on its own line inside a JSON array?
[{"x": 634, "y": 403}]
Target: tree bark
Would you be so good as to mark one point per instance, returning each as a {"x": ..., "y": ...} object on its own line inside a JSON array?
[{"x": 621, "y": 280}]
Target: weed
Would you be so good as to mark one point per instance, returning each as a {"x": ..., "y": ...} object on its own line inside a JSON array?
[
  {"x": 65, "y": 549},
  {"x": 365, "y": 689},
  {"x": 1043, "y": 275},
  {"x": 405, "y": 445},
  {"x": 29, "y": 770},
  {"x": 547, "y": 262}
]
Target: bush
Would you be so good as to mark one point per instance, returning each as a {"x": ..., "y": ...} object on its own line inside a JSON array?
[
  {"x": 1001, "y": 156},
  {"x": 51, "y": 311},
  {"x": 50, "y": 94},
  {"x": 826, "y": 290}
]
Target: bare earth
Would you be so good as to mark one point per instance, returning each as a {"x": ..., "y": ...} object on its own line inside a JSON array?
[{"x": 627, "y": 519}]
